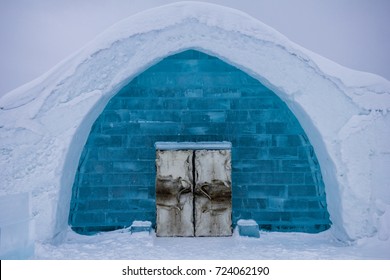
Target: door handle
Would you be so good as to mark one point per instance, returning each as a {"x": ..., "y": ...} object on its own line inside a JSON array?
[
  {"x": 203, "y": 191},
  {"x": 183, "y": 188},
  {"x": 218, "y": 185}
]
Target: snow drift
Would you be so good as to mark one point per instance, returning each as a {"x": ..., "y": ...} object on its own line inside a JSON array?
[{"x": 45, "y": 123}]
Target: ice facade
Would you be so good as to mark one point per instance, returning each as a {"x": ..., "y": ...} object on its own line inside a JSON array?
[
  {"x": 45, "y": 124},
  {"x": 194, "y": 97}
]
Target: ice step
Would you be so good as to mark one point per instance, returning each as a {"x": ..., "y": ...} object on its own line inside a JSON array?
[
  {"x": 141, "y": 226},
  {"x": 248, "y": 228}
]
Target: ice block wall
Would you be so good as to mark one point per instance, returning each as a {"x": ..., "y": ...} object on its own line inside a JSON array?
[
  {"x": 192, "y": 96},
  {"x": 16, "y": 227}
]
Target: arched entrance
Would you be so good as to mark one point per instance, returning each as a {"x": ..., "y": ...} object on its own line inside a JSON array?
[{"x": 193, "y": 97}]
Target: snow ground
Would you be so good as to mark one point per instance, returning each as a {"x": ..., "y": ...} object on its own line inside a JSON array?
[{"x": 121, "y": 245}]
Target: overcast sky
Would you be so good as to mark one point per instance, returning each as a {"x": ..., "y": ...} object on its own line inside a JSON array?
[{"x": 37, "y": 34}]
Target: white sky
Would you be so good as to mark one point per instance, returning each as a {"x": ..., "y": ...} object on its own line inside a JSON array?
[{"x": 37, "y": 34}]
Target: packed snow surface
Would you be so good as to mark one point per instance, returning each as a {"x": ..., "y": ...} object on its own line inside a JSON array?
[{"x": 121, "y": 245}]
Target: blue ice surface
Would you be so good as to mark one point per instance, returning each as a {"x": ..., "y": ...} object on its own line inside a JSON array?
[
  {"x": 194, "y": 97},
  {"x": 248, "y": 228},
  {"x": 16, "y": 240}
]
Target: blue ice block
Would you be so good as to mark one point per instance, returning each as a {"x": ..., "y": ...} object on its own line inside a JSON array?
[
  {"x": 141, "y": 226},
  {"x": 248, "y": 228}
]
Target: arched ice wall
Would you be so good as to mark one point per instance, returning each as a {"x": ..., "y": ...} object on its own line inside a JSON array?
[{"x": 44, "y": 124}]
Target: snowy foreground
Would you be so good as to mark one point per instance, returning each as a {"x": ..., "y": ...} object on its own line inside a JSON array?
[{"x": 119, "y": 245}]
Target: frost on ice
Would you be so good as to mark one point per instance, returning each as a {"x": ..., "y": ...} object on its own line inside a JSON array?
[{"x": 45, "y": 123}]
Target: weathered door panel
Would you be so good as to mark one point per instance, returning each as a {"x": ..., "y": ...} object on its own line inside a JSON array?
[
  {"x": 213, "y": 196},
  {"x": 174, "y": 193}
]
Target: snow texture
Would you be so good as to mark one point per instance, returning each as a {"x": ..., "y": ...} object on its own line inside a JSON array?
[
  {"x": 45, "y": 123},
  {"x": 249, "y": 222},
  {"x": 120, "y": 245}
]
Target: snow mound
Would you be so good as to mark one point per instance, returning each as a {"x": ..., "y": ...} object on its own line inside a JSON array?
[{"x": 45, "y": 123}]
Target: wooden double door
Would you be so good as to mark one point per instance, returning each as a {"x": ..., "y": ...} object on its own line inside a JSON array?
[{"x": 193, "y": 193}]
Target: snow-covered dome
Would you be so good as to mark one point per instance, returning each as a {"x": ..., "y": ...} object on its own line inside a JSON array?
[{"x": 45, "y": 123}]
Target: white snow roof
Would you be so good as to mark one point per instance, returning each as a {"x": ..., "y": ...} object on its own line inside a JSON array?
[{"x": 366, "y": 89}]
